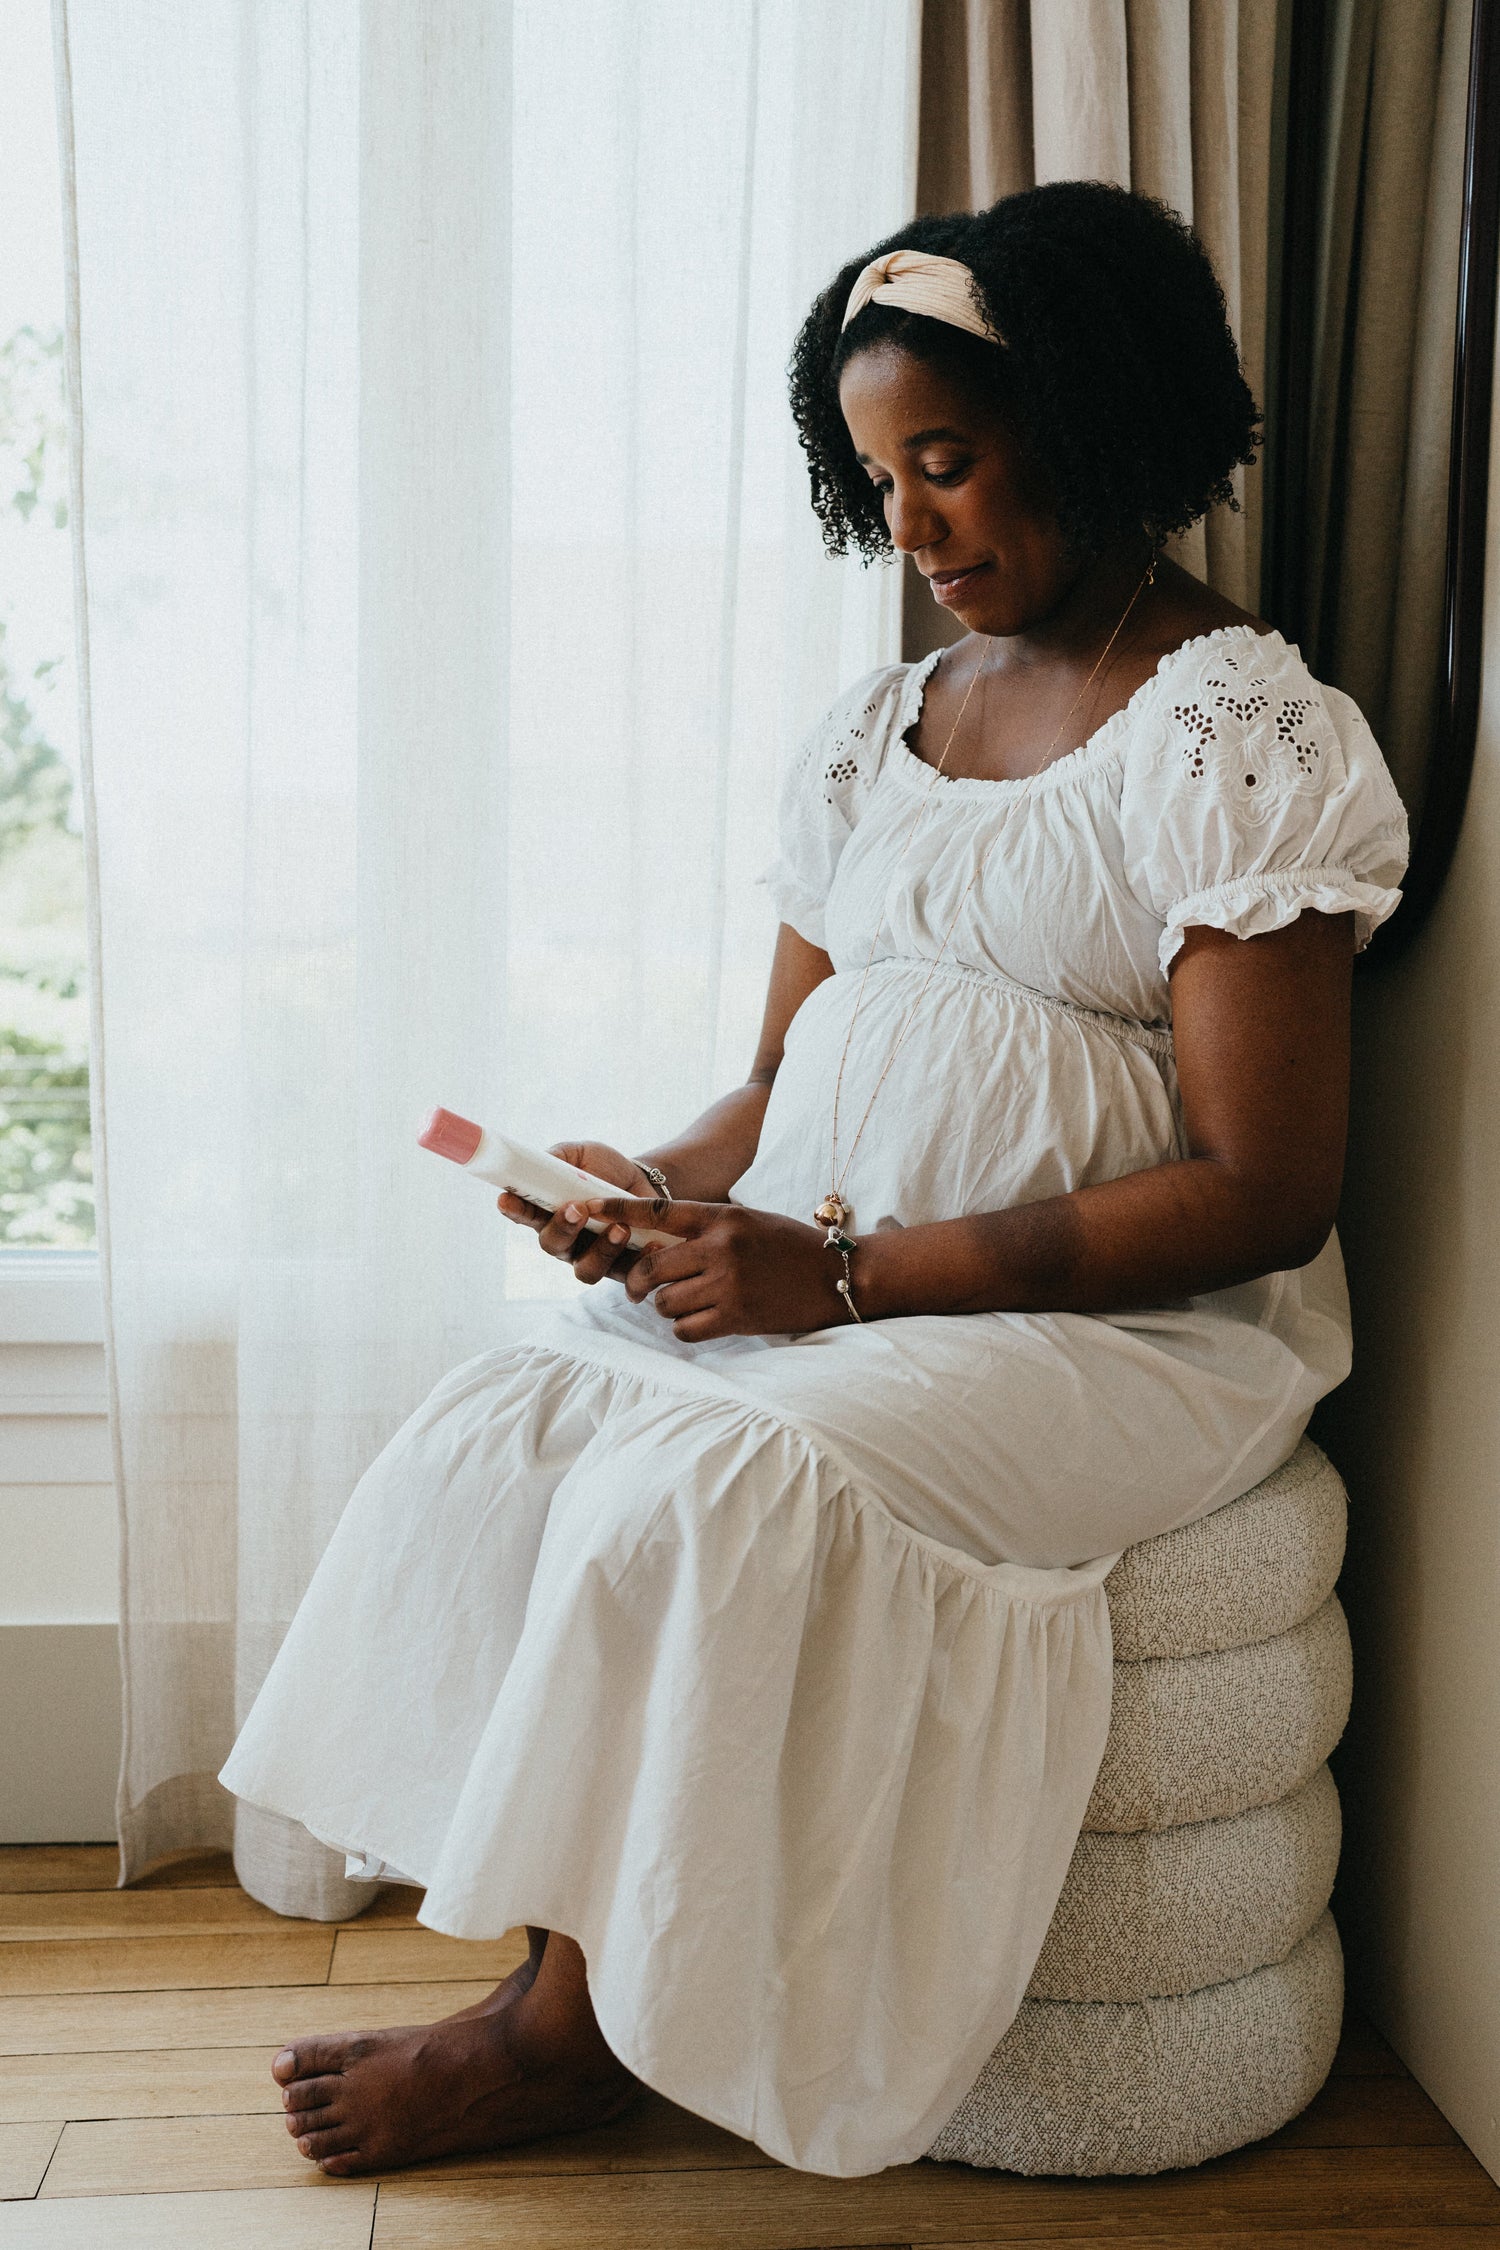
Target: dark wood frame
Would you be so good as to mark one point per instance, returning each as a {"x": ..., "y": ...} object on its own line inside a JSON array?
[
  {"x": 1457, "y": 717},
  {"x": 1284, "y": 570},
  {"x": 1456, "y": 712}
]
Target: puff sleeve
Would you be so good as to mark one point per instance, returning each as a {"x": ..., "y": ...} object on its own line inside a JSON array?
[
  {"x": 1253, "y": 793},
  {"x": 822, "y": 795}
]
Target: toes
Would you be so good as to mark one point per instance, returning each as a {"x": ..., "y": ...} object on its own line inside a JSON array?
[
  {"x": 310, "y": 2058},
  {"x": 311, "y": 2093},
  {"x": 300, "y": 2121},
  {"x": 344, "y": 2167},
  {"x": 319, "y": 2147}
]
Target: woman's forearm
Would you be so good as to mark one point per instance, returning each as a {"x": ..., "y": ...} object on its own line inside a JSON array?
[
  {"x": 703, "y": 1163},
  {"x": 1151, "y": 1238}
]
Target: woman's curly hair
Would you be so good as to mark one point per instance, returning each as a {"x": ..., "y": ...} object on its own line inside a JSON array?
[{"x": 1118, "y": 372}]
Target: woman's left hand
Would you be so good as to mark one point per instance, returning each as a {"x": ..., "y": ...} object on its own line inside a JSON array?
[{"x": 735, "y": 1272}]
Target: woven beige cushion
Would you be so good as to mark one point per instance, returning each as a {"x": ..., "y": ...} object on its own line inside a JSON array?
[
  {"x": 1147, "y": 2085},
  {"x": 1200, "y": 1737},
  {"x": 1167, "y": 1911},
  {"x": 1248, "y": 1572}
]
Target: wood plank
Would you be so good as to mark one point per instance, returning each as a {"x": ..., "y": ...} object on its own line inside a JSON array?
[
  {"x": 58, "y": 1867},
  {"x": 25, "y": 2151},
  {"x": 271, "y": 2219},
  {"x": 170, "y": 2082},
  {"x": 1368, "y": 2113},
  {"x": 1299, "y": 2238},
  {"x": 300, "y": 1956},
  {"x": 173, "y": 1912},
  {"x": 177, "y": 2156},
  {"x": 399, "y": 1906},
  {"x": 1260, "y": 2192},
  {"x": 106, "y": 2022},
  {"x": 386, "y": 1956},
  {"x": 96, "y": 1867},
  {"x": 65, "y": 1917},
  {"x": 234, "y": 2086},
  {"x": 188, "y": 1871},
  {"x": 654, "y": 2136},
  {"x": 174, "y": 2155}
]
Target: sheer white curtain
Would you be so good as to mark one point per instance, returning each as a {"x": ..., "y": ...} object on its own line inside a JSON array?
[{"x": 450, "y": 594}]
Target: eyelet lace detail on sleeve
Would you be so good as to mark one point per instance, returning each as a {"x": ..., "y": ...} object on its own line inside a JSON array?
[
  {"x": 1245, "y": 732},
  {"x": 823, "y": 793},
  {"x": 1258, "y": 795},
  {"x": 835, "y": 747}
]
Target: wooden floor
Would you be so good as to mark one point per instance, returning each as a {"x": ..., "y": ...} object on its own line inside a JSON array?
[{"x": 137, "y": 2113}]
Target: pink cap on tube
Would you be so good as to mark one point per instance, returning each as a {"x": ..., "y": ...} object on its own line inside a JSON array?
[{"x": 448, "y": 1134}]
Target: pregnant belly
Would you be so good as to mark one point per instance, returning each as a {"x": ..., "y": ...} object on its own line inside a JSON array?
[{"x": 994, "y": 1096}]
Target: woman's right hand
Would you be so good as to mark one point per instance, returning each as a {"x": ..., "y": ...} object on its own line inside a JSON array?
[{"x": 592, "y": 1256}]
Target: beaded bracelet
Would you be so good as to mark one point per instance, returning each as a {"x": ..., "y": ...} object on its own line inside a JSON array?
[{"x": 845, "y": 1244}]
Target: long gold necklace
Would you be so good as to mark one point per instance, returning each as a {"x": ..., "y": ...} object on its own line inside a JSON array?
[{"x": 835, "y": 1211}]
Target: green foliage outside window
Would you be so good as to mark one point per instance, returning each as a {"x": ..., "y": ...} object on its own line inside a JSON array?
[{"x": 46, "y": 1175}]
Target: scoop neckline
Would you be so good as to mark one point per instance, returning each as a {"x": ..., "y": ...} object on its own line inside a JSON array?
[{"x": 1073, "y": 762}]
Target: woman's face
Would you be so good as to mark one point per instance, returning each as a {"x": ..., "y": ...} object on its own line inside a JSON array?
[{"x": 961, "y": 497}]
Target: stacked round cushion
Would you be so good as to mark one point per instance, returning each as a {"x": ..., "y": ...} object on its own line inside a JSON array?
[{"x": 1190, "y": 1990}]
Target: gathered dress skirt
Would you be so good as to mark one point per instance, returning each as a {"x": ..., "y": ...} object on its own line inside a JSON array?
[{"x": 707, "y": 1657}]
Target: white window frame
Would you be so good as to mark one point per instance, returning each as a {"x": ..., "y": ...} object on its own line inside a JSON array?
[{"x": 50, "y": 1297}]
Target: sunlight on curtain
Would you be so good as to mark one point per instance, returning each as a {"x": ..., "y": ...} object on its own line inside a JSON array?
[{"x": 452, "y": 595}]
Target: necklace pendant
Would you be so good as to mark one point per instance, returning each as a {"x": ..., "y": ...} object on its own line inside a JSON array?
[{"x": 833, "y": 1211}]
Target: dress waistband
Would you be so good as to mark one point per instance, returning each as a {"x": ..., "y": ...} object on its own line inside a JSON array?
[{"x": 1153, "y": 1040}]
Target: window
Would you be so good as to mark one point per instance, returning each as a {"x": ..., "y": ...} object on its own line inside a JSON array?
[{"x": 46, "y": 1185}]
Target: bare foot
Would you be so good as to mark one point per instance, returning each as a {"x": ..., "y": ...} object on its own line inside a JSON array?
[{"x": 528, "y": 2061}]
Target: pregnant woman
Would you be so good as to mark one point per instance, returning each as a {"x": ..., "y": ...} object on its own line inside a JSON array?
[{"x": 742, "y": 1631}]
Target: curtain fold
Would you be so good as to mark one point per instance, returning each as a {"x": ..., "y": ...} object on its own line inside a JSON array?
[
  {"x": 451, "y": 595},
  {"x": 1173, "y": 97},
  {"x": 1381, "y": 380}
]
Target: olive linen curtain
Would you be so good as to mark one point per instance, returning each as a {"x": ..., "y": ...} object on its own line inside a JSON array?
[
  {"x": 1174, "y": 97},
  {"x": 448, "y": 595},
  {"x": 1368, "y": 590}
]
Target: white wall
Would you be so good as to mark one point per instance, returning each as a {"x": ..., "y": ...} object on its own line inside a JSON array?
[
  {"x": 1417, "y": 1433},
  {"x": 59, "y": 1660}
]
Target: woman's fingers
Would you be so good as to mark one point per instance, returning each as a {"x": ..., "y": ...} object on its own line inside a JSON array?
[
  {"x": 559, "y": 1236},
  {"x": 594, "y": 1256},
  {"x": 594, "y": 1252},
  {"x": 696, "y": 1294},
  {"x": 521, "y": 1213},
  {"x": 567, "y": 1235},
  {"x": 655, "y": 1211},
  {"x": 591, "y": 1254},
  {"x": 672, "y": 1261}
]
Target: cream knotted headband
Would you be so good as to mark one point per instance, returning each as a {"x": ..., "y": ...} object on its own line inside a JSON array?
[{"x": 942, "y": 288}]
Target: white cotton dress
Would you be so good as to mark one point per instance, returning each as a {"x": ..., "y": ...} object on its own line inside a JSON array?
[{"x": 777, "y": 1670}]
